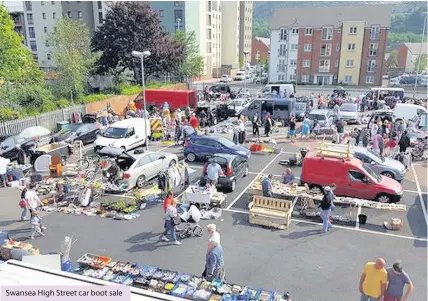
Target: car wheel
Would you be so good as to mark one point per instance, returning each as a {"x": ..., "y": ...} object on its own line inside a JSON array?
[
  {"x": 232, "y": 186},
  {"x": 172, "y": 163},
  {"x": 141, "y": 181},
  {"x": 388, "y": 174},
  {"x": 246, "y": 171},
  {"x": 316, "y": 189},
  {"x": 191, "y": 157},
  {"x": 123, "y": 149},
  {"x": 383, "y": 198}
]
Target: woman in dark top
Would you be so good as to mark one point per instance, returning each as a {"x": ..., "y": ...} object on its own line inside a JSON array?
[{"x": 404, "y": 142}]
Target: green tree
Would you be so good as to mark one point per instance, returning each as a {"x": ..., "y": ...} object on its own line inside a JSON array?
[
  {"x": 392, "y": 60},
  {"x": 193, "y": 63},
  {"x": 261, "y": 28},
  {"x": 71, "y": 41},
  {"x": 17, "y": 64},
  {"x": 241, "y": 62},
  {"x": 420, "y": 64},
  {"x": 399, "y": 38}
]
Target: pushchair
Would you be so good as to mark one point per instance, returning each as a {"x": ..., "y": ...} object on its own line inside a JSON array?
[
  {"x": 296, "y": 159},
  {"x": 189, "y": 225}
]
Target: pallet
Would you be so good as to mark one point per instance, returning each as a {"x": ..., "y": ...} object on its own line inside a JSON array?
[{"x": 268, "y": 222}]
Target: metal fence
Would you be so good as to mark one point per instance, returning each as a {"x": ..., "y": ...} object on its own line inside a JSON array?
[{"x": 48, "y": 120}]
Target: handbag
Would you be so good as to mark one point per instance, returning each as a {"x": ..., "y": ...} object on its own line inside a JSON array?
[
  {"x": 176, "y": 220},
  {"x": 22, "y": 204}
]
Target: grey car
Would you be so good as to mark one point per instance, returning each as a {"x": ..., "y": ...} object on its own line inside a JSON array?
[
  {"x": 381, "y": 165},
  {"x": 349, "y": 112}
]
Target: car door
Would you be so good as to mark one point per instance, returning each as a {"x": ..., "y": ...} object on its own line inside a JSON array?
[
  {"x": 213, "y": 147},
  {"x": 157, "y": 165},
  {"x": 238, "y": 167},
  {"x": 199, "y": 148},
  {"x": 355, "y": 185},
  {"x": 144, "y": 167},
  {"x": 8, "y": 148}
]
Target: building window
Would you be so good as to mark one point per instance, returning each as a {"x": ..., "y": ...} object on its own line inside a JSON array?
[
  {"x": 369, "y": 79},
  {"x": 371, "y": 66},
  {"x": 327, "y": 33},
  {"x": 373, "y": 49},
  {"x": 337, "y": 63},
  {"x": 31, "y": 32},
  {"x": 209, "y": 50},
  {"x": 308, "y": 31},
  {"x": 305, "y": 78},
  {"x": 69, "y": 14},
  {"x": 100, "y": 17},
  {"x": 326, "y": 49},
  {"x": 47, "y": 43},
  {"x": 45, "y": 29},
  {"x": 306, "y": 63},
  {"x": 282, "y": 50},
  {"x": 295, "y": 31},
  {"x": 293, "y": 62},
  {"x": 53, "y": 2},
  {"x": 351, "y": 47},
  {"x": 292, "y": 77},
  {"x": 176, "y": 3},
  {"x": 48, "y": 56},
  {"x": 348, "y": 79},
  {"x": 293, "y": 47},
  {"x": 375, "y": 32},
  {"x": 33, "y": 45},
  {"x": 30, "y": 20},
  {"x": 44, "y": 16},
  {"x": 53, "y": 15},
  {"x": 324, "y": 66},
  {"x": 79, "y": 15},
  {"x": 353, "y": 30},
  {"x": 100, "y": 4},
  {"x": 281, "y": 77},
  {"x": 209, "y": 6},
  {"x": 349, "y": 63},
  {"x": 307, "y": 48},
  {"x": 42, "y": 2},
  {"x": 28, "y": 5},
  {"x": 337, "y": 47},
  {"x": 161, "y": 13},
  {"x": 283, "y": 34},
  {"x": 209, "y": 35},
  {"x": 281, "y": 66}
]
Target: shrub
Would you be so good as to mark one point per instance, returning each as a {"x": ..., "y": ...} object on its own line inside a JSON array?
[
  {"x": 8, "y": 114},
  {"x": 126, "y": 89},
  {"x": 62, "y": 103}
]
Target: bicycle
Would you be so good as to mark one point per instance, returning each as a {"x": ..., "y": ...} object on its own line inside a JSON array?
[{"x": 84, "y": 163}]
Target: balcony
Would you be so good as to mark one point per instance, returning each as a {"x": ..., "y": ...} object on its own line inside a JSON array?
[{"x": 324, "y": 69}]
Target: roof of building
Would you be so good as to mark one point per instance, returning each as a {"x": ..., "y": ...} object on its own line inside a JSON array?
[
  {"x": 265, "y": 41},
  {"x": 415, "y": 48},
  {"x": 374, "y": 14}
]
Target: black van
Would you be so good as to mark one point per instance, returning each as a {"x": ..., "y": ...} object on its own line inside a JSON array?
[{"x": 279, "y": 108}]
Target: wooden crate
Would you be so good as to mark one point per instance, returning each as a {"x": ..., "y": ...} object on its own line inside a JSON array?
[{"x": 270, "y": 212}]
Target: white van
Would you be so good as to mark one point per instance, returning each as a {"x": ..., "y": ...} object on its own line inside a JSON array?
[
  {"x": 126, "y": 134},
  {"x": 408, "y": 111},
  {"x": 275, "y": 88}
]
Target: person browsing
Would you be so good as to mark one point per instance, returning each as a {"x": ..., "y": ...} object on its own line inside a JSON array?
[
  {"x": 397, "y": 279},
  {"x": 373, "y": 281},
  {"x": 267, "y": 186},
  {"x": 287, "y": 177},
  {"x": 213, "y": 172}
]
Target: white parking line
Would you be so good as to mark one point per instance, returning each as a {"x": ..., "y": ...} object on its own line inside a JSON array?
[
  {"x": 251, "y": 183},
  {"x": 424, "y": 210},
  {"x": 343, "y": 227}
]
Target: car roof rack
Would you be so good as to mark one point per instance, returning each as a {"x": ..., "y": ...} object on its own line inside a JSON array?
[{"x": 332, "y": 150}]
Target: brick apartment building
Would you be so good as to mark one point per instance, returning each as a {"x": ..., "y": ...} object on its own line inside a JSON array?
[
  {"x": 408, "y": 54},
  {"x": 260, "y": 48},
  {"x": 329, "y": 45}
]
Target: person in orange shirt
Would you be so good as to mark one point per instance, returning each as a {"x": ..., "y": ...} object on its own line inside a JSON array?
[
  {"x": 373, "y": 281},
  {"x": 194, "y": 121},
  {"x": 167, "y": 200}
]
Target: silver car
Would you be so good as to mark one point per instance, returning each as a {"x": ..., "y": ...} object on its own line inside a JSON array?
[
  {"x": 349, "y": 112},
  {"x": 381, "y": 165}
]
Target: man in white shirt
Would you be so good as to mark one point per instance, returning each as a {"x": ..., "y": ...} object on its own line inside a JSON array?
[
  {"x": 32, "y": 198},
  {"x": 212, "y": 232},
  {"x": 3, "y": 170}
]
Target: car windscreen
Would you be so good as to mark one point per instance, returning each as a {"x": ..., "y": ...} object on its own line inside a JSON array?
[
  {"x": 236, "y": 103},
  {"x": 300, "y": 106},
  {"x": 317, "y": 117},
  {"x": 372, "y": 173},
  {"x": 220, "y": 160},
  {"x": 348, "y": 108},
  {"x": 375, "y": 156},
  {"x": 113, "y": 132},
  {"x": 226, "y": 142}
]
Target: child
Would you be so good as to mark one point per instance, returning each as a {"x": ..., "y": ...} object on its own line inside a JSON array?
[
  {"x": 36, "y": 223},
  {"x": 390, "y": 146}
]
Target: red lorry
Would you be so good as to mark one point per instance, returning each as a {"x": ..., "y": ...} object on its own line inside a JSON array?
[{"x": 177, "y": 99}]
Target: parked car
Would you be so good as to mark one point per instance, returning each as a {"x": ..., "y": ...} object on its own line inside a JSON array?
[
  {"x": 234, "y": 168},
  {"x": 238, "y": 104},
  {"x": 248, "y": 74},
  {"x": 240, "y": 75},
  {"x": 301, "y": 108},
  {"x": 324, "y": 117},
  {"x": 352, "y": 177},
  {"x": 139, "y": 166},
  {"x": 8, "y": 148},
  {"x": 85, "y": 132},
  {"x": 225, "y": 78},
  {"x": 201, "y": 147},
  {"x": 348, "y": 112}
]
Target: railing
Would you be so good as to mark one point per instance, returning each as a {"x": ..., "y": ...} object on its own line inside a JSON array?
[
  {"x": 324, "y": 69},
  {"x": 48, "y": 120}
]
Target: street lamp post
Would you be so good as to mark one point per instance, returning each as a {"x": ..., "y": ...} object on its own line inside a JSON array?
[
  {"x": 245, "y": 68},
  {"x": 258, "y": 68},
  {"x": 419, "y": 58},
  {"x": 141, "y": 56},
  {"x": 268, "y": 70},
  {"x": 178, "y": 23}
]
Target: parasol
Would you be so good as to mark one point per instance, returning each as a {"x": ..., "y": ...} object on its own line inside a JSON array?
[{"x": 35, "y": 132}]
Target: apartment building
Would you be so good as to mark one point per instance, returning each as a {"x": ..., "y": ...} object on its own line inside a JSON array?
[
  {"x": 329, "y": 45},
  {"x": 41, "y": 17},
  {"x": 260, "y": 49},
  {"x": 16, "y": 12},
  {"x": 408, "y": 54},
  {"x": 202, "y": 17},
  {"x": 245, "y": 28}
]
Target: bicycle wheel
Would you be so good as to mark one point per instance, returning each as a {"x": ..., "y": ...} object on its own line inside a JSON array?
[
  {"x": 82, "y": 164},
  {"x": 90, "y": 175}
]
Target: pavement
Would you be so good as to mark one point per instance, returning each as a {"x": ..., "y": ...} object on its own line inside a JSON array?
[{"x": 308, "y": 264}]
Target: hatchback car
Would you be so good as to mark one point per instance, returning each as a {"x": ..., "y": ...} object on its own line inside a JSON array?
[
  {"x": 324, "y": 117},
  {"x": 139, "y": 166},
  {"x": 8, "y": 148},
  {"x": 234, "y": 168},
  {"x": 85, "y": 132},
  {"x": 225, "y": 79},
  {"x": 202, "y": 147},
  {"x": 349, "y": 112}
]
